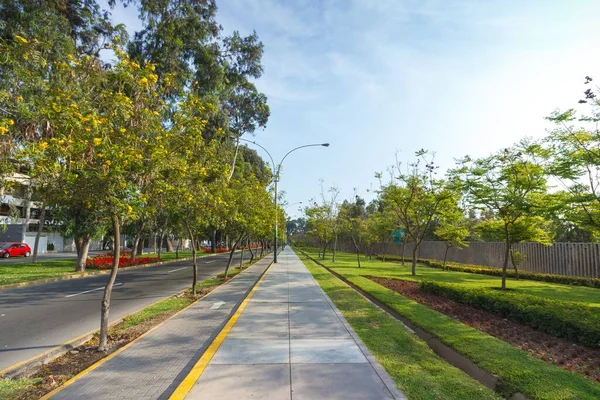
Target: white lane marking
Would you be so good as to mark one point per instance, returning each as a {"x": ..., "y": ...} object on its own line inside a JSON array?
[
  {"x": 208, "y": 262},
  {"x": 173, "y": 270},
  {"x": 216, "y": 305},
  {"x": 3, "y": 315},
  {"x": 92, "y": 290}
]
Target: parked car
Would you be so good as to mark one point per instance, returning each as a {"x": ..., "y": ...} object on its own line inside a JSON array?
[{"x": 14, "y": 249}]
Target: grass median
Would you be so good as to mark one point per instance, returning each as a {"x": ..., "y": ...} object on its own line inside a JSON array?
[
  {"x": 517, "y": 370},
  {"x": 415, "y": 368}
]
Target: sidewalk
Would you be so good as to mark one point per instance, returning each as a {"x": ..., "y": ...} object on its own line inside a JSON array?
[
  {"x": 155, "y": 365},
  {"x": 291, "y": 342}
]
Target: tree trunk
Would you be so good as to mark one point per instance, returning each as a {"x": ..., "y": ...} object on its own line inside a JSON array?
[
  {"x": 140, "y": 247},
  {"x": 512, "y": 260},
  {"x": 213, "y": 242},
  {"x": 170, "y": 247},
  {"x": 357, "y": 251},
  {"x": 402, "y": 255},
  {"x": 324, "y": 251},
  {"x": 334, "y": 247},
  {"x": 251, "y": 251},
  {"x": 414, "y": 260},
  {"x": 39, "y": 232},
  {"x": 506, "y": 256},
  {"x": 194, "y": 259},
  {"x": 446, "y": 254},
  {"x": 231, "y": 255},
  {"x": 134, "y": 249},
  {"x": 177, "y": 249},
  {"x": 242, "y": 257},
  {"x": 105, "y": 308},
  {"x": 82, "y": 244},
  {"x": 262, "y": 247},
  {"x": 162, "y": 236},
  {"x": 384, "y": 251},
  {"x": 154, "y": 242}
]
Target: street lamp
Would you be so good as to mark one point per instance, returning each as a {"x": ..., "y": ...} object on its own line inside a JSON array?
[
  {"x": 275, "y": 178},
  {"x": 293, "y": 204}
]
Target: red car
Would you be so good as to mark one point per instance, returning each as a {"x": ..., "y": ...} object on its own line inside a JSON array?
[{"x": 14, "y": 249}]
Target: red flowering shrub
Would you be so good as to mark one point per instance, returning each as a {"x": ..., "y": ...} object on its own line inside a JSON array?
[
  {"x": 219, "y": 249},
  {"x": 105, "y": 262}
]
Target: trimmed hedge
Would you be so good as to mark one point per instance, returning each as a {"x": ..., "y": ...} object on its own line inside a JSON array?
[
  {"x": 564, "y": 319},
  {"x": 476, "y": 269}
]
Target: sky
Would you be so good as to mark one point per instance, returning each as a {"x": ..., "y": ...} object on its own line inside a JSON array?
[{"x": 381, "y": 79}]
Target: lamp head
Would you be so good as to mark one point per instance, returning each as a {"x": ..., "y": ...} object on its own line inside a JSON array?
[{"x": 325, "y": 145}]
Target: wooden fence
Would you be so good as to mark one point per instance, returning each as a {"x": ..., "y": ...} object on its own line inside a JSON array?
[{"x": 572, "y": 259}]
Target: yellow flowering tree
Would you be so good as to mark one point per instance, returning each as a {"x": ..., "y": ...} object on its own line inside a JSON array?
[{"x": 106, "y": 139}]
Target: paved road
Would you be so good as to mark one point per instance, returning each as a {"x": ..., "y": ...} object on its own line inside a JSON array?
[{"x": 35, "y": 319}]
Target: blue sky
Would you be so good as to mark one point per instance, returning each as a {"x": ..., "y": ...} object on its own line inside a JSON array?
[{"x": 380, "y": 77}]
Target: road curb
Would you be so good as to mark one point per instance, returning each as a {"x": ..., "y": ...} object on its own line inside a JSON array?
[{"x": 94, "y": 273}]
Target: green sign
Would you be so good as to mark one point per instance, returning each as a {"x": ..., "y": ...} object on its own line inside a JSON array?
[{"x": 398, "y": 235}]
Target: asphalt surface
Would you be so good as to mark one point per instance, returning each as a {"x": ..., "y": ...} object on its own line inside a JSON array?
[{"x": 35, "y": 319}]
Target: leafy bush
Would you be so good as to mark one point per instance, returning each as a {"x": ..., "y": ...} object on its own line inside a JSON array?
[
  {"x": 569, "y": 320},
  {"x": 50, "y": 247},
  {"x": 105, "y": 262},
  {"x": 534, "y": 276}
]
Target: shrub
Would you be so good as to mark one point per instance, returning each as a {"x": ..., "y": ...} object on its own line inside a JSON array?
[
  {"x": 573, "y": 321},
  {"x": 105, "y": 262},
  {"x": 50, "y": 247},
  {"x": 534, "y": 276}
]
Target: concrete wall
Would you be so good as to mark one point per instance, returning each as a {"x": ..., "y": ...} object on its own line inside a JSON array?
[{"x": 42, "y": 245}]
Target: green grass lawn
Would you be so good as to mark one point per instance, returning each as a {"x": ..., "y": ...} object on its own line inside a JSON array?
[
  {"x": 170, "y": 256},
  {"x": 24, "y": 272},
  {"x": 415, "y": 368},
  {"x": 518, "y": 371},
  {"x": 346, "y": 264}
]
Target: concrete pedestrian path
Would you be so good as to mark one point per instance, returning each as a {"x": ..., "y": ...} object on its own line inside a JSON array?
[
  {"x": 291, "y": 342},
  {"x": 155, "y": 365}
]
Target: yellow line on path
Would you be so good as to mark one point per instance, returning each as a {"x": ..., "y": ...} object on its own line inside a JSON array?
[{"x": 188, "y": 382}]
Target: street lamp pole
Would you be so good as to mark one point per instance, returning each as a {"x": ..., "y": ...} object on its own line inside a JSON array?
[{"x": 275, "y": 177}]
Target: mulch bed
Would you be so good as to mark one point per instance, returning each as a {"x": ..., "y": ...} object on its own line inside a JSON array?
[{"x": 565, "y": 354}]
